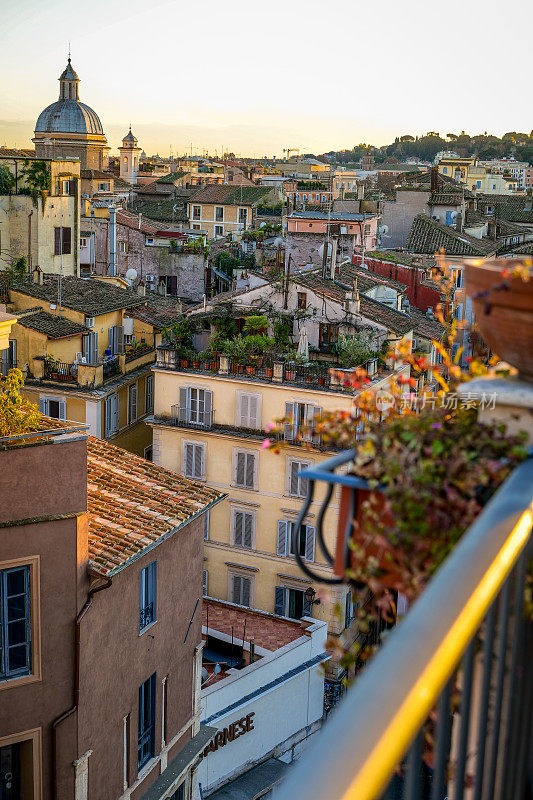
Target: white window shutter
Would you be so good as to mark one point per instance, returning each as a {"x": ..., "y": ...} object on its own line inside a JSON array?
[
  {"x": 246, "y": 586},
  {"x": 62, "y": 409},
  {"x": 204, "y": 583},
  {"x": 236, "y": 589},
  {"x": 294, "y": 481},
  {"x": 248, "y": 530},
  {"x": 283, "y": 528},
  {"x": 109, "y": 415},
  {"x": 250, "y": 471},
  {"x": 309, "y": 543},
  {"x": 244, "y": 410},
  {"x": 119, "y": 342},
  {"x": 290, "y": 424},
  {"x": 111, "y": 339},
  {"x": 183, "y": 411},
  {"x": 208, "y": 408},
  {"x": 240, "y": 469},
  {"x": 116, "y": 410},
  {"x": 198, "y": 461},
  {"x": 238, "y": 528},
  {"x": 189, "y": 460},
  {"x": 279, "y": 601},
  {"x": 206, "y": 526},
  {"x": 43, "y": 405},
  {"x": 253, "y": 404}
]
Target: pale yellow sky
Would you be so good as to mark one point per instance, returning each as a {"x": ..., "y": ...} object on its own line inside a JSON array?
[{"x": 258, "y": 77}]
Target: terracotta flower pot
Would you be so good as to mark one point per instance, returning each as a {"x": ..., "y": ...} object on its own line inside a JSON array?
[
  {"x": 290, "y": 374},
  {"x": 269, "y": 372},
  {"x": 250, "y": 370},
  {"x": 364, "y": 534},
  {"x": 504, "y": 312}
]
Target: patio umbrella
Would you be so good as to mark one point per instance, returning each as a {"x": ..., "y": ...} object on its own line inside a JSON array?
[{"x": 303, "y": 344}]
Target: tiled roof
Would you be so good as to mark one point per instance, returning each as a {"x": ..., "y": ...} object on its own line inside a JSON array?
[
  {"x": 170, "y": 209},
  {"x": 428, "y": 236},
  {"x": 87, "y": 295},
  {"x": 366, "y": 280},
  {"x": 51, "y": 325},
  {"x": 10, "y": 152},
  {"x": 445, "y": 199},
  {"x": 515, "y": 208},
  {"x": 524, "y": 249},
  {"x": 269, "y": 632},
  {"x": 134, "y": 505},
  {"x": 395, "y": 321},
  {"x": 231, "y": 195},
  {"x": 335, "y": 216},
  {"x": 425, "y": 326},
  {"x": 159, "y": 311},
  {"x": 399, "y": 257},
  {"x": 97, "y": 174},
  {"x": 132, "y": 221}
]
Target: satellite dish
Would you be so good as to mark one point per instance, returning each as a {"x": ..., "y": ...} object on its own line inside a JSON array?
[{"x": 131, "y": 274}]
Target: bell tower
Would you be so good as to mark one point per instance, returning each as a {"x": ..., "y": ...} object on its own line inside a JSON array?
[{"x": 129, "y": 158}]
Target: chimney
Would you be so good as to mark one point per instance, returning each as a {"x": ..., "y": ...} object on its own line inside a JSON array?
[
  {"x": 434, "y": 179},
  {"x": 492, "y": 230},
  {"x": 37, "y": 276},
  {"x": 352, "y": 303},
  {"x": 334, "y": 246},
  {"x": 459, "y": 222},
  {"x": 361, "y": 191},
  {"x": 141, "y": 289},
  {"x": 162, "y": 289}
]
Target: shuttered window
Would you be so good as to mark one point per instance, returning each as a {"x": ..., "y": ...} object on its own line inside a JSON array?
[
  {"x": 204, "y": 582},
  {"x": 115, "y": 340},
  {"x": 248, "y": 411},
  {"x": 291, "y": 603},
  {"x": 194, "y": 460},
  {"x": 243, "y": 528},
  {"x": 241, "y": 590},
  {"x": 90, "y": 348},
  {"x": 52, "y": 407},
  {"x": 146, "y": 722},
  {"x": 149, "y": 397},
  {"x": 245, "y": 470},
  {"x": 305, "y": 542},
  {"x": 132, "y": 403},
  {"x": 62, "y": 241},
  {"x": 297, "y": 486},
  {"x": 300, "y": 421},
  {"x": 195, "y": 406},
  {"x": 111, "y": 414},
  {"x": 147, "y": 595}
]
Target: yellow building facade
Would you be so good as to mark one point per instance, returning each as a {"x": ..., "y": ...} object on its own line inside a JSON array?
[{"x": 210, "y": 427}]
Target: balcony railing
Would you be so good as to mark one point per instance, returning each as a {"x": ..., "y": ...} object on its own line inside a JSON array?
[
  {"x": 470, "y": 618},
  {"x": 60, "y": 371},
  {"x": 184, "y": 417},
  {"x": 111, "y": 367}
]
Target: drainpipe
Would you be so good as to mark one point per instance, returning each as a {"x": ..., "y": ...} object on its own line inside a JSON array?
[
  {"x": 112, "y": 240},
  {"x": 29, "y": 239},
  {"x": 74, "y": 706}
]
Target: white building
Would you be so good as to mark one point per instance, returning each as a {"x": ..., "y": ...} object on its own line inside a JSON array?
[{"x": 264, "y": 712}]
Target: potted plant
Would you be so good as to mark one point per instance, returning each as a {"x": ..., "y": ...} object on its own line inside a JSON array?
[{"x": 502, "y": 295}]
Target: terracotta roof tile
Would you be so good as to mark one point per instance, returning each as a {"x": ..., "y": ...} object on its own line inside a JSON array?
[
  {"x": 428, "y": 236},
  {"x": 268, "y": 631}
]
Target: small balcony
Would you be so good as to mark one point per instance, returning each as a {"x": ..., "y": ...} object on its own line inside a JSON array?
[
  {"x": 110, "y": 367},
  {"x": 444, "y": 709},
  {"x": 184, "y": 417},
  {"x": 60, "y": 371}
]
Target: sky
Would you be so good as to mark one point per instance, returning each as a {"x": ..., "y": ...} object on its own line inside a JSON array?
[{"x": 254, "y": 78}]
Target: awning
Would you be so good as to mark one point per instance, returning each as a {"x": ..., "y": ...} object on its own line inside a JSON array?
[
  {"x": 178, "y": 765},
  {"x": 254, "y": 783}
]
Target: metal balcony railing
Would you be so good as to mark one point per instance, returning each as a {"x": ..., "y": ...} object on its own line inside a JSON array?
[
  {"x": 60, "y": 371},
  {"x": 183, "y": 416},
  {"x": 469, "y": 621},
  {"x": 111, "y": 367}
]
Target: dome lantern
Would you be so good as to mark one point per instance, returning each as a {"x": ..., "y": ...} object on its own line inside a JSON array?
[{"x": 68, "y": 83}]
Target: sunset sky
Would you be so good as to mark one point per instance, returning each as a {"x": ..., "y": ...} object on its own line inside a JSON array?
[{"x": 257, "y": 77}]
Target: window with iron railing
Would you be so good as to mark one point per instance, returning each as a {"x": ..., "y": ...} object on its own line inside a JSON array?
[{"x": 146, "y": 722}]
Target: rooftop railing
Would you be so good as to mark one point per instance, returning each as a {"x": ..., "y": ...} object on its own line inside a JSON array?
[
  {"x": 60, "y": 371},
  {"x": 469, "y": 622}
]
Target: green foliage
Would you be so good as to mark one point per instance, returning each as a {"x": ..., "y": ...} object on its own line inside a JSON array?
[
  {"x": 180, "y": 333},
  {"x": 225, "y": 262},
  {"x": 355, "y": 350},
  {"x": 236, "y": 348},
  {"x": 18, "y": 270},
  {"x": 7, "y": 180},
  {"x": 38, "y": 177},
  {"x": 255, "y": 323}
]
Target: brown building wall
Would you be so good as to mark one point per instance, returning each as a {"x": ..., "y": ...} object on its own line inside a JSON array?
[
  {"x": 111, "y": 675},
  {"x": 56, "y": 550}
]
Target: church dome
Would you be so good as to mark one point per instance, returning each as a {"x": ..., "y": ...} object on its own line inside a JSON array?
[{"x": 69, "y": 116}]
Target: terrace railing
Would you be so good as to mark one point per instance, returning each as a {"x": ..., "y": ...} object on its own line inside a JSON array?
[
  {"x": 111, "y": 367},
  {"x": 470, "y": 622},
  {"x": 60, "y": 371}
]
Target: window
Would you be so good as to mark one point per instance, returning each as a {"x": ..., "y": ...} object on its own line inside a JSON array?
[
  {"x": 102, "y": 187},
  {"x": 65, "y": 187},
  {"x": 241, "y": 590},
  {"x": 205, "y": 577},
  {"x": 195, "y": 406},
  {"x": 303, "y": 416},
  {"x": 111, "y": 414},
  {"x": 149, "y": 453},
  {"x": 83, "y": 242},
  {"x": 179, "y": 794},
  {"x": 243, "y": 216},
  {"x": 194, "y": 460},
  {"x": 219, "y": 213},
  {"x": 245, "y": 470},
  {"x": 147, "y": 595},
  {"x": 243, "y": 528},
  {"x": 206, "y": 526},
  {"x": 149, "y": 240},
  {"x": 297, "y": 486},
  {"x": 15, "y": 623},
  {"x": 8, "y": 357},
  {"x": 302, "y": 300},
  {"x": 219, "y": 230},
  {"x": 196, "y": 227},
  {"x": 445, "y": 170},
  {"x": 306, "y": 540},
  {"x": 132, "y": 403},
  {"x": 115, "y": 340},
  {"x": 62, "y": 241},
  {"x": 146, "y": 734},
  {"x": 248, "y": 411},
  {"x": 328, "y": 335},
  {"x": 291, "y": 603},
  {"x": 122, "y": 247},
  {"x": 90, "y": 346},
  {"x": 53, "y": 407},
  {"x": 196, "y": 212},
  {"x": 149, "y": 394},
  {"x": 479, "y": 184}
]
